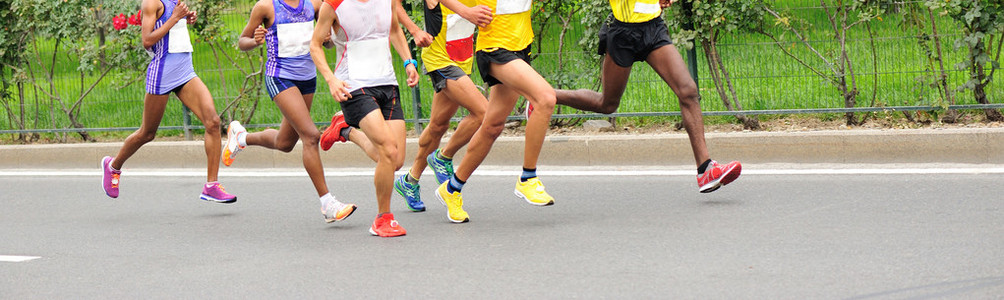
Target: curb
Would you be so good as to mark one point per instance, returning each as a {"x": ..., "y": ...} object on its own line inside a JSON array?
[{"x": 902, "y": 146}]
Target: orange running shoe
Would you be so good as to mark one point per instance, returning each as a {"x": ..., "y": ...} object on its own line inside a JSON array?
[
  {"x": 334, "y": 132},
  {"x": 337, "y": 211},
  {"x": 385, "y": 226}
]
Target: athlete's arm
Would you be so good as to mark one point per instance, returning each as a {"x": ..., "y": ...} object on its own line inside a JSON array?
[
  {"x": 401, "y": 45},
  {"x": 326, "y": 18},
  {"x": 317, "y": 9},
  {"x": 480, "y": 15},
  {"x": 422, "y": 38},
  {"x": 151, "y": 12},
  {"x": 666, "y": 3},
  {"x": 254, "y": 34}
]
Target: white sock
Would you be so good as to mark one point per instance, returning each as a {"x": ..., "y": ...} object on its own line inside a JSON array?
[
  {"x": 242, "y": 139},
  {"x": 327, "y": 198}
]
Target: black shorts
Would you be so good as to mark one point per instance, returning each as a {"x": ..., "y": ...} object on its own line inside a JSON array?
[
  {"x": 627, "y": 43},
  {"x": 499, "y": 56},
  {"x": 365, "y": 100},
  {"x": 439, "y": 76}
]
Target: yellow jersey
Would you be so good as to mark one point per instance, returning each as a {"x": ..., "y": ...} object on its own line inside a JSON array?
[
  {"x": 510, "y": 29},
  {"x": 635, "y": 11},
  {"x": 453, "y": 44}
]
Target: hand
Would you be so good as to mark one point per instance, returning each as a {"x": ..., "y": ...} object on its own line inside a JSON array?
[
  {"x": 259, "y": 35},
  {"x": 180, "y": 11},
  {"x": 339, "y": 90},
  {"x": 422, "y": 38},
  {"x": 412, "y": 75},
  {"x": 666, "y": 3},
  {"x": 480, "y": 15},
  {"x": 192, "y": 16}
]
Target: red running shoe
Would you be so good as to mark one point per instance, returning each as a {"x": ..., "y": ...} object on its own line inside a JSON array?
[
  {"x": 334, "y": 132},
  {"x": 716, "y": 175},
  {"x": 386, "y": 226}
]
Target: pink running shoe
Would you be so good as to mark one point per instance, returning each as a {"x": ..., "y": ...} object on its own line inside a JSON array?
[
  {"x": 214, "y": 192},
  {"x": 718, "y": 175},
  {"x": 109, "y": 177}
]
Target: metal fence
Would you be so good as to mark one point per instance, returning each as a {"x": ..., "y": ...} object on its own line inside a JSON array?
[{"x": 766, "y": 81}]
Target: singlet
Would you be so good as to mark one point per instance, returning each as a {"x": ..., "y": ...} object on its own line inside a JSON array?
[
  {"x": 171, "y": 63},
  {"x": 635, "y": 11},
  {"x": 453, "y": 44},
  {"x": 289, "y": 41},
  {"x": 510, "y": 29},
  {"x": 362, "y": 43}
]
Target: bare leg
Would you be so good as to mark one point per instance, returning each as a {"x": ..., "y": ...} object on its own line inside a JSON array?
[
  {"x": 520, "y": 77},
  {"x": 153, "y": 112},
  {"x": 614, "y": 79},
  {"x": 285, "y": 138},
  {"x": 501, "y": 100},
  {"x": 669, "y": 64},
  {"x": 196, "y": 96},
  {"x": 296, "y": 112},
  {"x": 460, "y": 92},
  {"x": 388, "y": 137}
]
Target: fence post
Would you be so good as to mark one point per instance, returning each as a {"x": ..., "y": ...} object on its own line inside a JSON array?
[
  {"x": 688, "y": 8},
  {"x": 416, "y": 93},
  {"x": 186, "y": 122}
]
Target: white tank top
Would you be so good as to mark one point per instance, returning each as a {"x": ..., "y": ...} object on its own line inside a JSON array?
[{"x": 362, "y": 43}]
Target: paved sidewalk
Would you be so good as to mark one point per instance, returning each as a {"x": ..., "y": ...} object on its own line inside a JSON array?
[{"x": 964, "y": 146}]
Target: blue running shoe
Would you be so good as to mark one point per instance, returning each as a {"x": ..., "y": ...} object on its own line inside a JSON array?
[
  {"x": 443, "y": 168},
  {"x": 410, "y": 192}
]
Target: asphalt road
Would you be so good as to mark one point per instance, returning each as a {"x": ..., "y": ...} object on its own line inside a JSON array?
[{"x": 763, "y": 237}]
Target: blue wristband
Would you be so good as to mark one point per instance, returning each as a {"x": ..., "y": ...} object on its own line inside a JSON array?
[{"x": 411, "y": 62}]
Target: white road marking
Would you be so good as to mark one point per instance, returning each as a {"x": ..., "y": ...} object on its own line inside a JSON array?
[
  {"x": 516, "y": 171},
  {"x": 17, "y": 258}
]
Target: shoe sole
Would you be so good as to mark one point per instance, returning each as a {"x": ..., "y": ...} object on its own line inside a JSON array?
[
  {"x": 400, "y": 192},
  {"x": 729, "y": 177},
  {"x": 440, "y": 197},
  {"x": 374, "y": 233},
  {"x": 103, "y": 179},
  {"x": 211, "y": 199},
  {"x": 228, "y": 159},
  {"x": 521, "y": 196},
  {"x": 326, "y": 220}
]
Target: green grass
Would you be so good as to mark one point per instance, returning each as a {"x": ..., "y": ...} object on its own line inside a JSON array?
[{"x": 764, "y": 78}]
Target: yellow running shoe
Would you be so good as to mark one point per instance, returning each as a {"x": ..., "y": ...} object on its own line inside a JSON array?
[
  {"x": 454, "y": 204},
  {"x": 533, "y": 192}
]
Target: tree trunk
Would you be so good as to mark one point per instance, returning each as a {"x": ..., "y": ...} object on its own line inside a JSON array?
[
  {"x": 951, "y": 116},
  {"x": 993, "y": 115},
  {"x": 748, "y": 122}
]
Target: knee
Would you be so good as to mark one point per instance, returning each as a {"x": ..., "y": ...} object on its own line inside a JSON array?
[
  {"x": 493, "y": 129},
  {"x": 607, "y": 107},
  {"x": 146, "y": 136},
  {"x": 389, "y": 154},
  {"x": 212, "y": 123},
  {"x": 285, "y": 146},
  {"x": 545, "y": 102},
  {"x": 310, "y": 138},
  {"x": 438, "y": 128},
  {"x": 689, "y": 96}
]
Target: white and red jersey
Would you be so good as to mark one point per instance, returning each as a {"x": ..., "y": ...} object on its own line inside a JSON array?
[{"x": 362, "y": 42}]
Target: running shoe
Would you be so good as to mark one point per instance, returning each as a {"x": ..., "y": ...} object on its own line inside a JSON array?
[
  {"x": 533, "y": 192},
  {"x": 232, "y": 147},
  {"x": 109, "y": 177},
  {"x": 454, "y": 204},
  {"x": 337, "y": 211},
  {"x": 410, "y": 192},
  {"x": 214, "y": 192},
  {"x": 528, "y": 110},
  {"x": 442, "y": 167},
  {"x": 718, "y": 175},
  {"x": 334, "y": 132},
  {"x": 386, "y": 226}
]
